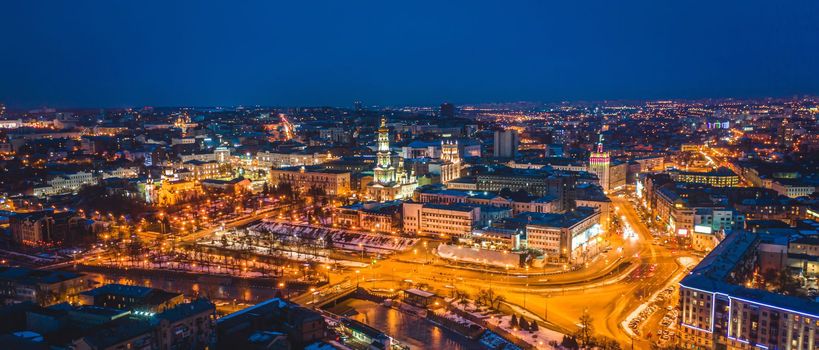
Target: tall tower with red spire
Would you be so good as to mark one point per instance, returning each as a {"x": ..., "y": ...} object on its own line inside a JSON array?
[{"x": 599, "y": 163}]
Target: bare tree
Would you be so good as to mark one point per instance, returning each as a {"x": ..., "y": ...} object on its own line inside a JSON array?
[{"x": 586, "y": 328}]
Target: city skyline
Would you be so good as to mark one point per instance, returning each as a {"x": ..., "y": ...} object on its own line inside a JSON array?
[{"x": 368, "y": 175}]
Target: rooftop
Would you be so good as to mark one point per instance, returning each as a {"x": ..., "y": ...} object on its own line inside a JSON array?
[
  {"x": 120, "y": 289},
  {"x": 559, "y": 220},
  {"x": 183, "y": 311},
  {"x": 26, "y": 275},
  {"x": 713, "y": 272},
  {"x": 420, "y": 293},
  {"x": 313, "y": 169},
  {"x": 454, "y": 207}
]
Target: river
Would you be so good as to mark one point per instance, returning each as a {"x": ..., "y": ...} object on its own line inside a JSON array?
[{"x": 410, "y": 330}]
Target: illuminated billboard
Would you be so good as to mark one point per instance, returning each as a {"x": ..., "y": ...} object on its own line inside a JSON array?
[{"x": 702, "y": 229}]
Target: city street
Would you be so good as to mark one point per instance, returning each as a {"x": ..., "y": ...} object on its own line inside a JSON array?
[
  {"x": 609, "y": 288},
  {"x": 558, "y": 299}
]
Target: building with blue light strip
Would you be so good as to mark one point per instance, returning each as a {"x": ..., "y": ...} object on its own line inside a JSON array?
[{"x": 720, "y": 311}]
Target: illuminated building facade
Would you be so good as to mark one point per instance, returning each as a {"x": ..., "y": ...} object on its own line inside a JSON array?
[
  {"x": 303, "y": 178},
  {"x": 389, "y": 182},
  {"x": 721, "y": 311},
  {"x": 370, "y": 216},
  {"x": 444, "y": 220},
  {"x": 599, "y": 164},
  {"x": 451, "y": 167},
  {"x": 722, "y": 177},
  {"x": 570, "y": 237}
]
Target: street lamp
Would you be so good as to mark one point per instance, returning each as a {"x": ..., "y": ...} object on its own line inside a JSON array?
[{"x": 525, "y": 290}]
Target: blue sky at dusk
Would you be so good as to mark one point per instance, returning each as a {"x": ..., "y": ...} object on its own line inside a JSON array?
[{"x": 172, "y": 53}]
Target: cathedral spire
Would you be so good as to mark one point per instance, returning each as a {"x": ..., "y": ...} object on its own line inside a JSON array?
[{"x": 383, "y": 127}]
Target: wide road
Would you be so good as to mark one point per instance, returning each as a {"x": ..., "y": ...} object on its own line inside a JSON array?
[{"x": 557, "y": 299}]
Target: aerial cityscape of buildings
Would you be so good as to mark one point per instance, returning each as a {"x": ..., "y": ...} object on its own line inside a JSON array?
[{"x": 655, "y": 225}]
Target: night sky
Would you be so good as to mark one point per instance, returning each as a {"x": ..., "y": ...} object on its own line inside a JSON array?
[{"x": 173, "y": 53}]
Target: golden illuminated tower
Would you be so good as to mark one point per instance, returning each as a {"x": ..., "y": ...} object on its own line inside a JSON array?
[
  {"x": 384, "y": 172},
  {"x": 451, "y": 167},
  {"x": 389, "y": 182}
]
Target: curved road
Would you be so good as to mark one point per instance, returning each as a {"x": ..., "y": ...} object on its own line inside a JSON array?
[{"x": 559, "y": 299}]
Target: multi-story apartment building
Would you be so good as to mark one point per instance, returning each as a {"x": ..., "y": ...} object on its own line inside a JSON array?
[
  {"x": 803, "y": 255},
  {"x": 535, "y": 182},
  {"x": 720, "y": 309},
  {"x": 722, "y": 177},
  {"x": 66, "y": 183},
  {"x": 506, "y": 144},
  {"x": 682, "y": 210},
  {"x": 443, "y": 220},
  {"x": 651, "y": 163},
  {"x": 569, "y": 237},
  {"x": 301, "y": 326},
  {"x": 557, "y": 163},
  {"x": 138, "y": 298},
  {"x": 290, "y": 158},
  {"x": 121, "y": 172},
  {"x": 18, "y": 284},
  {"x": 709, "y": 225},
  {"x": 792, "y": 188},
  {"x": 593, "y": 196},
  {"x": 47, "y": 226},
  {"x": 220, "y": 155},
  {"x": 546, "y": 204},
  {"x": 199, "y": 170},
  {"x": 332, "y": 182},
  {"x": 186, "y": 326}
]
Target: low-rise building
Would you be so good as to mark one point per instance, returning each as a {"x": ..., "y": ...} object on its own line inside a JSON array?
[
  {"x": 137, "y": 298},
  {"x": 443, "y": 220},
  {"x": 63, "y": 326},
  {"x": 301, "y": 325},
  {"x": 44, "y": 287},
  {"x": 200, "y": 170},
  {"x": 497, "y": 238},
  {"x": 332, "y": 182},
  {"x": 593, "y": 197},
  {"x": 792, "y": 188},
  {"x": 803, "y": 255},
  {"x": 47, "y": 227},
  {"x": 234, "y": 185},
  {"x": 219, "y": 155},
  {"x": 370, "y": 216},
  {"x": 572, "y": 236},
  {"x": 290, "y": 158},
  {"x": 65, "y": 183}
]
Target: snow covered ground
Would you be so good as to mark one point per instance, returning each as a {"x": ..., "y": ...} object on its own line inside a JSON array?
[
  {"x": 342, "y": 239},
  {"x": 539, "y": 338},
  {"x": 479, "y": 256},
  {"x": 182, "y": 267},
  {"x": 286, "y": 254},
  {"x": 454, "y": 317},
  {"x": 641, "y": 313}
]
